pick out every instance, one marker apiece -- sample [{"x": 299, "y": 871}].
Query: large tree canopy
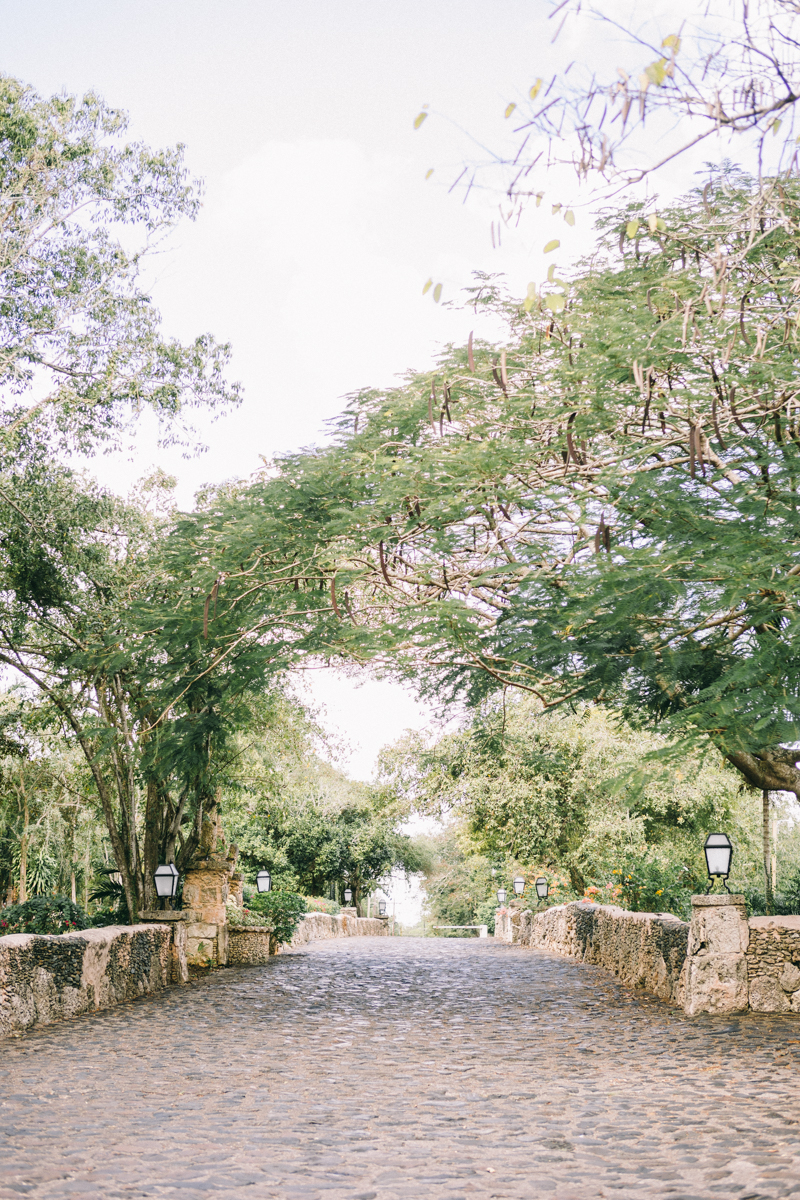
[{"x": 605, "y": 506}]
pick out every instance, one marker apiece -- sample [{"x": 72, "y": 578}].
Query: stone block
[
  {"x": 201, "y": 929},
  {"x": 789, "y": 978},
  {"x": 716, "y": 984},
  {"x": 767, "y": 995}
]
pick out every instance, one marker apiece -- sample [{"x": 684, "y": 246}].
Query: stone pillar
[
  {"x": 179, "y": 970},
  {"x": 716, "y": 966},
  {"x": 236, "y": 890},
  {"x": 205, "y": 893}
]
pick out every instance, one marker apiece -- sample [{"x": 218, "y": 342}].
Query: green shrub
[
  {"x": 43, "y": 914},
  {"x": 282, "y": 912},
  {"x": 320, "y": 904},
  {"x": 646, "y": 884}
]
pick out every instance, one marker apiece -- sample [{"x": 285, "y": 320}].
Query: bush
[
  {"x": 241, "y": 918},
  {"x": 320, "y": 904},
  {"x": 649, "y": 885},
  {"x": 281, "y": 911},
  {"x": 43, "y": 914},
  {"x": 484, "y": 914}
]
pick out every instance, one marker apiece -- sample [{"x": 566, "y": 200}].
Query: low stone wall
[
  {"x": 773, "y": 958},
  {"x": 248, "y": 945},
  {"x": 346, "y": 924},
  {"x": 645, "y": 950},
  {"x": 44, "y": 978},
  {"x": 251, "y": 945},
  {"x": 719, "y": 963}
]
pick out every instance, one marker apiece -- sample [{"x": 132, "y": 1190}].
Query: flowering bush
[
  {"x": 241, "y": 917},
  {"x": 320, "y": 904},
  {"x": 43, "y": 914}
]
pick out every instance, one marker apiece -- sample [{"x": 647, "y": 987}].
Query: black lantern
[
  {"x": 381, "y": 908},
  {"x": 348, "y": 895},
  {"x": 519, "y": 885},
  {"x": 501, "y": 895},
  {"x": 263, "y": 881},
  {"x": 719, "y": 852},
  {"x": 165, "y": 878},
  {"x": 542, "y": 887}
]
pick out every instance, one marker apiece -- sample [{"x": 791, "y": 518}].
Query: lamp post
[
  {"x": 542, "y": 888},
  {"x": 381, "y": 908},
  {"x": 501, "y": 895},
  {"x": 519, "y": 885},
  {"x": 263, "y": 881},
  {"x": 165, "y": 877},
  {"x": 719, "y": 852},
  {"x": 348, "y": 895}
]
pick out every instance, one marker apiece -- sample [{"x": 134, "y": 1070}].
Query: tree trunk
[
  {"x": 23, "y": 856},
  {"x": 767, "y": 840}
]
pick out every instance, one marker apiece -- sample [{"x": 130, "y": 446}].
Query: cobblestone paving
[{"x": 374, "y": 1069}]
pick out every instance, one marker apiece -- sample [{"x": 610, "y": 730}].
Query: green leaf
[
  {"x": 555, "y": 302},
  {"x": 553, "y": 245},
  {"x": 427, "y": 287},
  {"x": 632, "y": 228},
  {"x": 509, "y": 110},
  {"x": 535, "y": 89},
  {"x": 429, "y": 172},
  {"x": 420, "y": 117},
  {"x": 437, "y": 293},
  {"x": 569, "y": 217}
]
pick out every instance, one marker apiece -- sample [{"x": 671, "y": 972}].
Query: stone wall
[
  {"x": 44, "y": 978},
  {"x": 645, "y": 950},
  {"x": 719, "y": 963},
  {"x": 773, "y": 958},
  {"x": 346, "y": 924},
  {"x": 251, "y": 945}
]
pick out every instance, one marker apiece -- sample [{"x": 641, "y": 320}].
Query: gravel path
[{"x": 381, "y": 1068}]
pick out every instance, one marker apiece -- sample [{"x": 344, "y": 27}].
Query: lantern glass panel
[
  {"x": 165, "y": 878},
  {"x": 501, "y": 895},
  {"x": 348, "y": 895},
  {"x": 519, "y": 885},
  {"x": 719, "y": 852},
  {"x": 382, "y": 908},
  {"x": 542, "y": 887},
  {"x": 263, "y": 881}
]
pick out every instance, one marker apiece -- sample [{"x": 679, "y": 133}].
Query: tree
[
  {"x": 604, "y": 507},
  {"x": 725, "y": 77},
  {"x": 564, "y": 792},
  {"x": 81, "y": 352},
  {"x": 81, "y": 355}
]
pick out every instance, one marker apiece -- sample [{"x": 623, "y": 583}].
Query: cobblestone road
[{"x": 377, "y": 1068}]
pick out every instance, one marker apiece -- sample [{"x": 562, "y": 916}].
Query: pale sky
[{"x": 318, "y": 229}]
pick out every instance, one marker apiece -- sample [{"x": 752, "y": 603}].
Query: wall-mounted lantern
[
  {"x": 542, "y": 887},
  {"x": 519, "y": 885},
  {"x": 348, "y": 895},
  {"x": 501, "y": 895},
  {"x": 263, "y": 881},
  {"x": 165, "y": 878}
]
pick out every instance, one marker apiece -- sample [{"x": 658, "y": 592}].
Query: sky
[{"x": 318, "y": 227}]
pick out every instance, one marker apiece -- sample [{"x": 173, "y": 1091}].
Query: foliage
[
  {"x": 322, "y": 905},
  {"x": 82, "y": 350},
  {"x": 723, "y": 77},
  {"x": 43, "y": 914},
  {"x": 536, "y": 791},
  {"x": 601, "y": 507},
  {"x": 282, "y": 911},
  {"x": 647, "y": 884}
]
